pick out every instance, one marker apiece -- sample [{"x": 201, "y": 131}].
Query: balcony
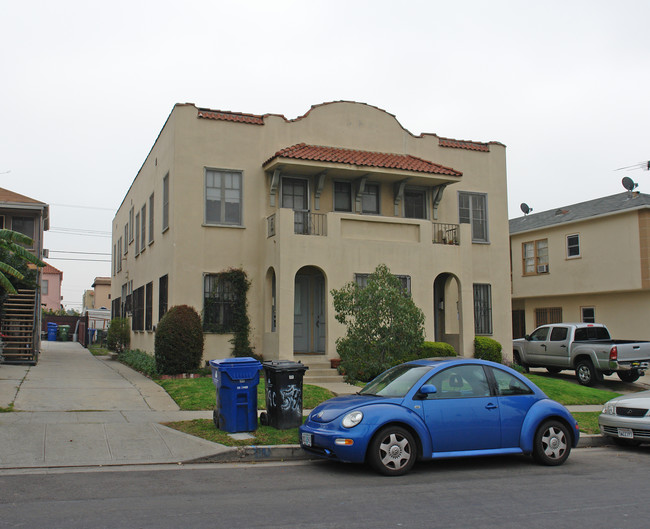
[
  {"x": 446, "y": 234},
  {"x": 304, "y": 223}
]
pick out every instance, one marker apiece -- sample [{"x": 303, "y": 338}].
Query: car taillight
[{"x": 613, "y": 354}]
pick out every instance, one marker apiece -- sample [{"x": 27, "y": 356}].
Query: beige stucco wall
[{"x": 354, "y": 243}]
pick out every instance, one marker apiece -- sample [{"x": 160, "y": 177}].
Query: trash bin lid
[
  {"x": 237, "y": 368},
  {"x": 284, "y": 365}
]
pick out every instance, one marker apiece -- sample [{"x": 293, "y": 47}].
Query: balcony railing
[
  {"x": 446, "y": 234},
  {"x": 270, "y": 226},
  {"x": 307, "y": 223}
]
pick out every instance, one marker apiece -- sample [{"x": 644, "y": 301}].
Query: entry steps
[
  {"x": 17, "y": 327},
  {"x": 320, "y": 370}
]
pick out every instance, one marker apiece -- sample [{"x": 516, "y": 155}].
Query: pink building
[{"x": 51, "y": 288}]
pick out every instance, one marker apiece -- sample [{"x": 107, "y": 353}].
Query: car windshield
[{"x": 396, "y": 382}]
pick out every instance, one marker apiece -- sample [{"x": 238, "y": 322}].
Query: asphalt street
[{"x": 597, "y": 488}]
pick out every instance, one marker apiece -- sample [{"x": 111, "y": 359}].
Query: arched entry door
[
  {"x": 309, "y": 318},
  {"x": 446, "y": 304}
]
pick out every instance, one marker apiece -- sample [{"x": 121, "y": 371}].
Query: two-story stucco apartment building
[
  {"x": 586, "y": 262},
  {"x": 303, "y": 206}
]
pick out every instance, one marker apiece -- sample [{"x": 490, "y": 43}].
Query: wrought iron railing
[
  {"x": 307, "y": 223},
  {"x": 446, "y": 234}
]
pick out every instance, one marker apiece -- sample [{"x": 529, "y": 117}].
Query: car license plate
[
  {"x": 625, "y": 433},
  {"x": 306, "y": 439}
]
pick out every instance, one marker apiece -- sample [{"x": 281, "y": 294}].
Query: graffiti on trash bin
[{"x": 292, "y": 398}]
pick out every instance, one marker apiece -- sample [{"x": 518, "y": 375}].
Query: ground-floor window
[
  {"x": 148, "y": 302},
  {"x": 162, "y": 296},
  {"x": 219, "y": 301},
  {"x": 482, "y": 308},
  {"x": 588, "y": 314},
  {"x": 137, "y": 322},
  {"x": 546, "y": 315}
]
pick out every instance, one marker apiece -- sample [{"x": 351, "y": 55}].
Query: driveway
[{"x": 74, "y": 409}]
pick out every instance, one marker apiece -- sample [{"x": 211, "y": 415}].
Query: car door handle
[
  {"x": 544, "y": 346},
  {"x": 491, "y": 406}
]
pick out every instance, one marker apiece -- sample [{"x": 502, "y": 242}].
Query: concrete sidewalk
[{"x": 74, "y": 409}]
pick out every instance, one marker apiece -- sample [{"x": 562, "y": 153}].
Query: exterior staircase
[
  {"x": 320, "y": 370},
  {"x": 18, "y": 322}
]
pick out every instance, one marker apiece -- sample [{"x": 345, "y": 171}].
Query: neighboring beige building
[
  {"x": 304, "y": 206},
  {"x": 99, "y": 297},
  {"x": 586, "y": 262}
]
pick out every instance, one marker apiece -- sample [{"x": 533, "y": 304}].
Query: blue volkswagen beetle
[{"x": 440, "y": 408}]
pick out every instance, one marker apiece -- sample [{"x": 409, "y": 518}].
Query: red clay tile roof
[
  {"x": 11, "y": 196},
  {"x": 231, "y": 116},
  {"x": 464, "y": 144},
  {"x": 404, "y": 162},
  {"x": 49, "y": 269}
]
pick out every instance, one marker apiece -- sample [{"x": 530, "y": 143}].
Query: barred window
[
  {"x": 546, "y": 315},
  {"x": 482, "y": 308},
  {"x": 162, "y": 296},
  {"x": 148, "y": 312},
  {"x": 219, "y": 300}
]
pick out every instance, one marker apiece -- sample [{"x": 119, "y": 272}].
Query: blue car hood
[{"x": 333, "y": 408}]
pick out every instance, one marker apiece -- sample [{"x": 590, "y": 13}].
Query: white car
[{"x": 627, "y": 419}]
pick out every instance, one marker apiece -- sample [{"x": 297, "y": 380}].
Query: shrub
[
  {"x": 487, "y": 349},
  {"x": 384, "y": 326},
  {"x": 434, "y": 350},
  {"x": 179, "y": 341},
  {"x": 140, "y": 361},
  {"x": 118, "y": 337}
]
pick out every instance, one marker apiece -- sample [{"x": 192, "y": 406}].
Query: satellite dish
[
  {"x": 629, "y": 184},
  {"x": 524, "y": 207}
]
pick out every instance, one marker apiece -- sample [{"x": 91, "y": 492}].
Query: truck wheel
[
  {"x": 516, "y": 359},
  {"x": 552, "y": 443},
  {"x": 629, "y": 376},
  {"x": 586, "y": 373}
]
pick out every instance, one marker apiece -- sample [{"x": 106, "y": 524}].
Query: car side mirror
[
  {"x": 527, "y": 337},
  {"x": 428, "y": 389}
]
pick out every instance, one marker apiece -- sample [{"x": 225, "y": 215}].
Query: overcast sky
[{"x": 86, "y": 86}]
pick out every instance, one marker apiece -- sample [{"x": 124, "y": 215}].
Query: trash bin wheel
[
  {"x": 218, "y": 420},
  {"x": 264, "y": 419}
]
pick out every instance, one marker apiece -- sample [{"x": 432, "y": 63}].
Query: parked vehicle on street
[
  {"x": 627, "y": 419},
  {"x": 440, "y": 408},
  {"x": 586, "y": 348}
]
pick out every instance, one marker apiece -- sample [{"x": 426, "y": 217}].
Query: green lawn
[
  {"x": 264, "y": 435},
  {"x": 587, "y": 421},
  {"x": 571, "y": 393},
  {"x": 200, "y": 393},
  {"x": 98, "y": 350}
]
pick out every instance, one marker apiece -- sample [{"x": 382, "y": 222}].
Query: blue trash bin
[
  {"x": 52, "y": 330},
  {"x": 236, "y": 380}
]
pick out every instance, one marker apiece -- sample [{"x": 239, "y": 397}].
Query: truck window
[
  {"x": 559, "y": 334},
  {"x": 539, "y": 335},
  {"x": 591, "y": 333}
]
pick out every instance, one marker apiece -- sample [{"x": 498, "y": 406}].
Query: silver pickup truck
[{"x": 585, "y": 347}]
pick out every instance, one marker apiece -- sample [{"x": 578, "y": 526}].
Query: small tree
[
  {"x": 118, "y": 337},
  {"x": 179, "y": 341},
  {"x": 384, "y": 326},
  {"x": 14, "y": 259}
]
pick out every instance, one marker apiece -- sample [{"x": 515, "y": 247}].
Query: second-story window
[
  {"x": 472, "y": 209},
  {"x": 223, "y": 197},
  {"x": 24, "y": 225},
  {"x": 370, "y": 199},
  {"x": 535, "y": 257},
  {"x": 573, "y": 246},
  {"x": 165, "y": 203},
  {"x": 415, "y": 204},
  {"x": 342, "y": 196}
]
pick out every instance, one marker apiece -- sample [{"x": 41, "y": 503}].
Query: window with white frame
[
  {"x": 573, "y": 246},
  {"x": 131, "y": 219},
  {"x": 44, "y": 286},
  {"x": 143, "y": 228},
  {"x": 535, "y": 257},
  {"x": 126, "y": 238},
  {"x": 151, "y": 218},
  {"x": 588, "y": 314},
  {"x": 472, "y": 209},
  {"x": 223, "y": 197}
]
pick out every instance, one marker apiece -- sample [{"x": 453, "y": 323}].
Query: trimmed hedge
[
  {"x": 433, "y": 350},
  {"x": 179, "y": 341},
  {"x": 487, "y": 349},
  {"x": 140, "y": 361}
]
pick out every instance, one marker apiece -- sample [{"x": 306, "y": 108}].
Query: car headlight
[
  {"x": 609, "y": 409},
  {"x": 352, "y": 419}
]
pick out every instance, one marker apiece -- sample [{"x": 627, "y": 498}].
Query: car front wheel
[
  {"x": 392, "y": 451},
  {"x": 552, "y": 443}
]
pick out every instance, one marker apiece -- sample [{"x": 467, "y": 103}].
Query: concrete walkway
[{"x": 74, "y": 409}]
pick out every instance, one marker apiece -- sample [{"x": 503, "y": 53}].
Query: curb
[{"x": 261, "y": 454}]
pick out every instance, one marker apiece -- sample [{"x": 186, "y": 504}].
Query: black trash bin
[{"x": 283, "y": 394}]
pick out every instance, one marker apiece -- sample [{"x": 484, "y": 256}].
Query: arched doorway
[
  {"x": 447, "y": 313},
  {"x": 309, "y": 315}
]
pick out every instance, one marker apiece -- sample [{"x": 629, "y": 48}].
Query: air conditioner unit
[{"x": 542, "y": 269}]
